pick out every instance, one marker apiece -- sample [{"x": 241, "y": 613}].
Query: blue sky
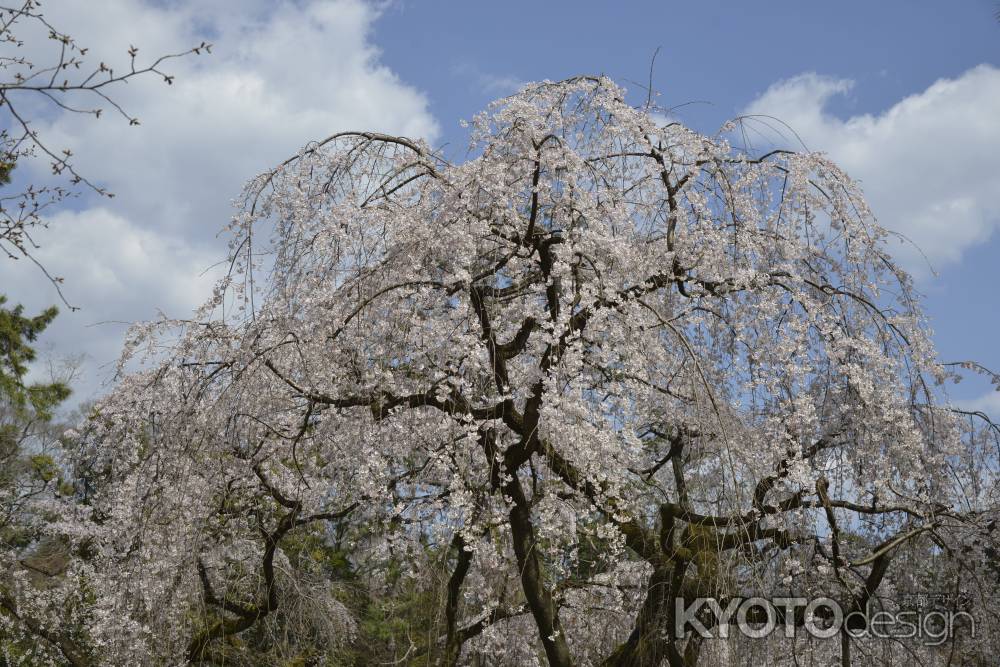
[
  {"x": 905, "y": 94},
  {"x": 723, "y": 52}
]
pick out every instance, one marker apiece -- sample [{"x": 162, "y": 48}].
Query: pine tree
[{"x": 17, "y": 334}]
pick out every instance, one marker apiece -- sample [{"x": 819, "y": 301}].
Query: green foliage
[
  {"x": 399, "y": 619},
  {"x": 398, "y": 626},
  {"x": 6, "y": 166},
  {"x": 28, "y": 470},
  {"x": 17, "y": 333},
  {"x": 44, "y": 467}
]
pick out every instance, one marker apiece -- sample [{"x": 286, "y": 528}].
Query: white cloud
[
  {"x": 120, "y": 272},
  {"x": 929, "y": 165},
  {"x": 988, "y": 403},
  {"x": 488, "y": 82},
  {"x": 280, "y": 75}
]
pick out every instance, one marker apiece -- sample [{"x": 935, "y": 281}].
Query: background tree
[
  {"x": 604, "y": 365},
  {"x": 31, "y": 475}
]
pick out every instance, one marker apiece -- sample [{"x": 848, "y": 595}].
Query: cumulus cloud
[
  {"x": 280, "y": 75},
  {"x": 929, "y": 165},
  {"x": 120, "y": 272}
]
